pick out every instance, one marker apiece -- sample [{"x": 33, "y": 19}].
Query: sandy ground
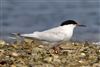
[{"x": 32, "y": 53}]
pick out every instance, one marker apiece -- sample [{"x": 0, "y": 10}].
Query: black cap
[{"x": 67, "y": 22}]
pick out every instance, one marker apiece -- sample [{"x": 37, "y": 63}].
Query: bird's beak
[{"x": 82, "y": 25}]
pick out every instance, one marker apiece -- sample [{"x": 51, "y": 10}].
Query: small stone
[
  {"x": 13, "y": 66},
  {"x": 55, "y": 56},
  {"x": 48, "y": 59},
  {"x": 2, "y": 42},
  {"x": 15, "y": 54},
  {"x": 41, "y": 46},
  {"x": 96, "y": 65},
  {"x": 81, "y": 61},
  {"x": 99, "y": 51},
  {"x": 83, "y": 54},
  {"x": 1, "y": 50}
]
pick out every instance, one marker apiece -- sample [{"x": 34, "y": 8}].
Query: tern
[{"x": 61, "y": 33}]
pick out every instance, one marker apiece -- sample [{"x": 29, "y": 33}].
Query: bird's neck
[
  {"x": 68, "y": 27},
  {"x": 68, "y": 31}
]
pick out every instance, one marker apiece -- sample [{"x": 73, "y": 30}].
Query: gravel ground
[{"x": 32, "y": 53}]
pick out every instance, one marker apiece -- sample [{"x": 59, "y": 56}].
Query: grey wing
[
  {"x": 31, "y": 35},
  {"x": 51, "y": 36}
]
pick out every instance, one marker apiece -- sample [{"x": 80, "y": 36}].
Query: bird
[{"x": 63, "y": 32}]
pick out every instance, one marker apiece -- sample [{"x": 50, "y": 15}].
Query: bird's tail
[
  {"x": 29, "y": 36},
  {"x": 24, "y": 36},
  {"x": 21, "y": 35},
  {"x": 16, "y": 34}
]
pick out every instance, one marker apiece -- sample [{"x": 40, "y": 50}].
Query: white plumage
[{"x": 57, "y": 34}]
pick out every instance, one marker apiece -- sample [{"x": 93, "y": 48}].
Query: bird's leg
[{"x": 57, "y": 48}]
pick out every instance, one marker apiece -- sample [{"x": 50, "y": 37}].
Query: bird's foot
[{"x": 56, "y": 49}]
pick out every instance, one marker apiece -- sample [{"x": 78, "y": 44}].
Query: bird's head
[{"x": 71, "y": 23}]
